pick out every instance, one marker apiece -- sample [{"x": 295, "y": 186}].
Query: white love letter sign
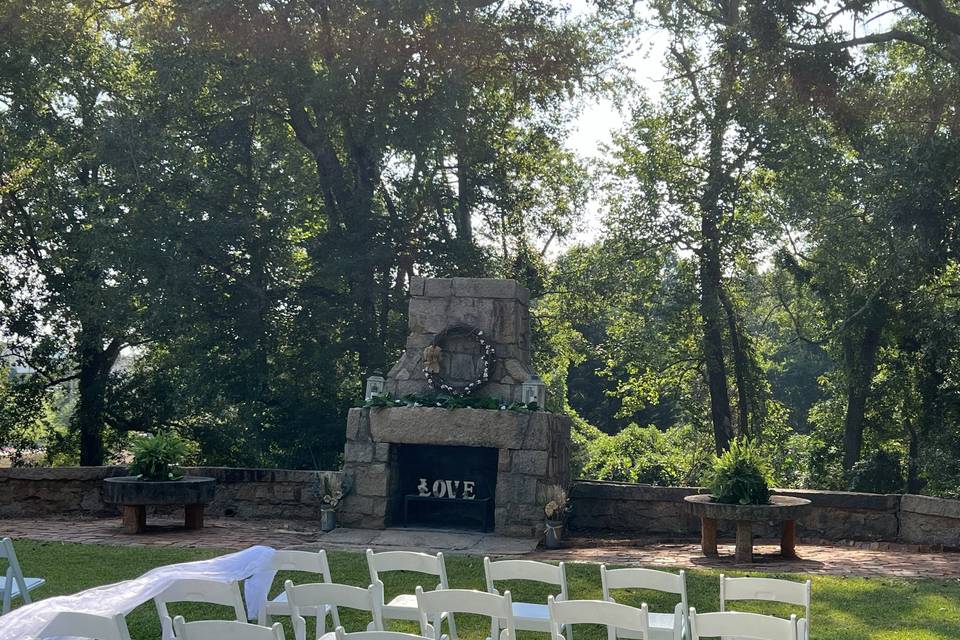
[{"x": 465, "y": 490}]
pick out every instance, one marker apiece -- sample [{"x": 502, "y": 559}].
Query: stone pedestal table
[
  {"x": 134, "y": 494},
  {"x": 785, "y": 509}
]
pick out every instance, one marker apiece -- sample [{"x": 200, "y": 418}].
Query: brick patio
[{"x": 878, "y": 560}]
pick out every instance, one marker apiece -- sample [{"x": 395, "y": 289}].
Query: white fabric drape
[{"x": 254, "y": 565}]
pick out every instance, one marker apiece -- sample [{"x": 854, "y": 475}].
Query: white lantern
[
  {"x": 534, "y": 390},
  {"x": 375, "y": 386}
]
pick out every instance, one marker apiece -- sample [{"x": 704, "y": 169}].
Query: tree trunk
[
  {"x": 741, "y": 365},
  {"x": 94, "y": 362},
  {"x": 710, "y": 312},
  {"x": 860, "y": 359}
]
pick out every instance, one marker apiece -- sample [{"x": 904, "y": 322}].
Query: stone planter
[
  {"x": 328, "y": 519},
  {"x": 783, "y": 509},
  {"x": 553, "y": 534},
  {"x": 135, "y": 494}
]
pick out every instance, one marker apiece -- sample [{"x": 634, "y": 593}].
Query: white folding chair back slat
[
  {"x": 405, "y": 561},
  {"x": 668, "y": 626},
  {"x": 496, "y": 607},
  {"x": 567, "y": 613},
  {"x": 376, "y": 635},
  {"x": 198, "y": 590},
  {"x": 404, "y": 606},
  {"x": 769, "y": 590},
  {"x": 86, "y": 625},
  {"x": 309, "y": 600},
  {"x": 300, "y": 561},
  {"x": 224, "y": 630},
  {"x": 743, "y": 626},
  {"x": 529, "y": 616},
  {"x": 14, "y": 583}
]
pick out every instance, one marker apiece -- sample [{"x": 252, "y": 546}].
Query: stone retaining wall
[
  {"x": 833, "y": 516},
  {"x": 606, "y": 506},
  {"x": 246, "y": 493}
]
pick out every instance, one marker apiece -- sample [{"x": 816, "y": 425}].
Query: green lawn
[{"x": 843, "y": 609}]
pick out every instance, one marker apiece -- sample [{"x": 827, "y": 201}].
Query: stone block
[
  {"x": 381, "y": 452},
  {"x": 925, "y": 505},
  {"x": 371, "y": 480},
  {"x": 416, "y": 286},
  {"x": 437, "y": 287},
  {"x": 464, "y": 427},
  {"x": 504, "y": 460},
  {"x": 354, "y": 451},
  {"x": 489, "y": 288},
  {"x": 355, "y": 417},
  {"x": 515, "y": 489},
  {"x": 530, "y": 462}
]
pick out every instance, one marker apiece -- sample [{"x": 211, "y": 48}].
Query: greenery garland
[
  {"x": 448, "y": 401},
  {"x": 489, "y": 358}
]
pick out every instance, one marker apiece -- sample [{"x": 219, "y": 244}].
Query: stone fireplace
[{"x": 462, "y": 468}]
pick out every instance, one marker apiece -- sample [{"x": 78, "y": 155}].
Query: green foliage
[
  {"x": 156, "y": 457},
  {"x": 447, "y": 401},
  {"x": 881, "y": 472},
  {"x": 740, "y": 475}
]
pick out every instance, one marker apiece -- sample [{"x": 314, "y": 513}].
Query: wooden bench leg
[
  {"x": 193, "y": 516},
  {"x": 744, "y": 541},
  {"x": 134, "y": 518},
  {"x": 788, "y": 539},
  {"x": 708, "y": 536}
]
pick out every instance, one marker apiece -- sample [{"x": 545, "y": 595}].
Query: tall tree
[{"x": 72, "y": 279}]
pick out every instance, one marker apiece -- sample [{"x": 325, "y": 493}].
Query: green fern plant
[
  {"x": 740, "y": 476},
  {"x": 159, "y": 456}
]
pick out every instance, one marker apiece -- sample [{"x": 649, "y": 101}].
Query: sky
[{"x": 598, "y": 118}]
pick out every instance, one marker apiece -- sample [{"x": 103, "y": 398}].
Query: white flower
[
  {"x": 439, "y": 404},
  {"x": 479, "y": 333},
  {"x": 417, "y": 404},
  {"x": 503, "y": 407}
]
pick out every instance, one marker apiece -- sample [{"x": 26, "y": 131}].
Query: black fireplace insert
[{"x": 444, "y": 487}]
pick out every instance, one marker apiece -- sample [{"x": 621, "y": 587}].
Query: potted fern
[
  {"x": 740, "y": 476},
  {"x": 156, "y": 479}
]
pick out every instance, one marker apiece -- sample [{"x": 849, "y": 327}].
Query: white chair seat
[
  {"x": 32, "y": 583},
  {"x": 661, "y": 627},
  {"x": 531, "y": 617},
  {"x": 403, "y": 607},
  {"x": 280, "y": 607}
]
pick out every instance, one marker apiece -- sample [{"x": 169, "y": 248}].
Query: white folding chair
[
  {"x": 620, "y": 616},
  {"x": 198, "y": 590},
  {"x": 224, "y": 630},
  {"x": 748, "y": 626},
  {"x": 529, "y": 616},
  {"x": 663, "y": 626},
  {"x": 498, "y": 608},
  {"x": 376, "y": 635},
  {"x": 304, "y": 562},
  {"x": 770, "y": 590},
  {"x": 86, "y": 625},
  {"x": 319, "y": 599},
  {"x": 404, "y": 606},
  {"x": 14, "y": 584}
]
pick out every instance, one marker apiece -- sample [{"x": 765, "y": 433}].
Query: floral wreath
[{"x": 488, "y": 353}]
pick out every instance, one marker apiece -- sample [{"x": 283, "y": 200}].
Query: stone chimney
[{"x": 497, "y": 308}]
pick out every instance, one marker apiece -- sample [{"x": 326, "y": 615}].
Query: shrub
[
  {"x": 740, "y": 475},
  {"x": 880, "y": 472},
  {"x": 157, "y": 457}
]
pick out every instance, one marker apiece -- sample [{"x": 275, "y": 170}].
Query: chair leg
[{"x": 452, "y": 626}]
